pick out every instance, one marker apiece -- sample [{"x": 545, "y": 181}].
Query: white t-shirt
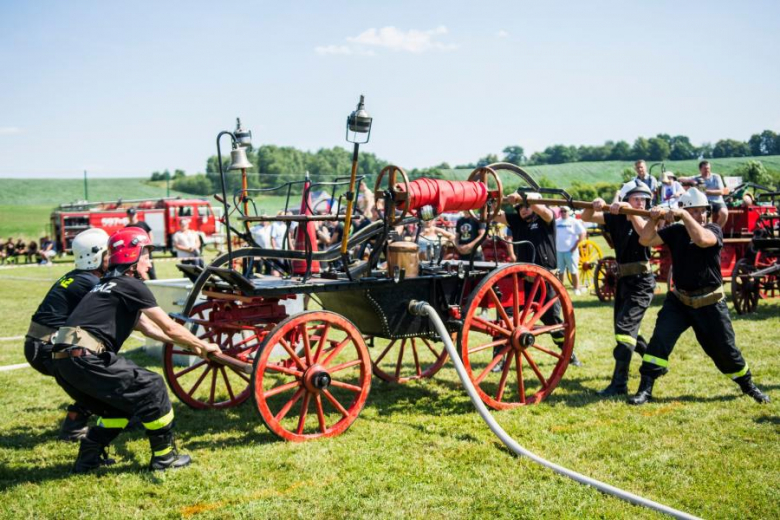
[
  {"x": 567, "y": 231},
  {"x": 278, "y": 230},
  {"x": 262, "y": 235},
  {"x": 189, "y": 240},
  {"x": 667, "y": 193}
]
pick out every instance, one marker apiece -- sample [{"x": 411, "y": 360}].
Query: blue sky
[{"x": 128, "y": 88}]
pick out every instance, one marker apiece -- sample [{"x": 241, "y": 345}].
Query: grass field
[{"x": 418, "y": 450}]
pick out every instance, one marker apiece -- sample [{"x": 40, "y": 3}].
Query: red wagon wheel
[
  {"x": 770, "y": 284},
  {"x": 744, "y": 289},
  {"x": 507, "y": 349},
  {"x": 203, "y": 384},
  {"x": 404, "y": 360},
  {"x": 312, "y": 376},
  {"x": 605, "y": 278}
]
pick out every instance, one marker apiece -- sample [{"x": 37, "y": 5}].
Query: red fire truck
[{"x": 164, "y": 216}]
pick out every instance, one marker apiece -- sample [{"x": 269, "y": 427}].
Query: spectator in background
[
  {"x": 133, "y": 221},
  {"x": 569, "y": 233},
  {"x": 712, "y": 185},
  {"x": 469, "y": 231},
  {"x": 671, "y": 190},
  {"x": 186, "y": 243},
  {"x": 31, "y": 253},
  {"x": 46, "y": 251},
  {"x": 640, "y": 167},
  {"x": 10, "y": 249},
  {"x": 2, "y": 252}
]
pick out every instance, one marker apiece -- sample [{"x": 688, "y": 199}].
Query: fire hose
[{"x": 420, "y": 308}]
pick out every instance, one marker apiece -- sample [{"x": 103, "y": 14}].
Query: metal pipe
[
  {"x": 350, "y": 200},
  {"x": 419, "y": 308}
]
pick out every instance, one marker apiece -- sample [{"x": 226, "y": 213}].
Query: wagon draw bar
[{"x": 579, "y": 204}]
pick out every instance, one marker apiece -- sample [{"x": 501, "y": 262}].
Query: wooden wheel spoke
[
  {"x": 520, "y": 380},
  {"x": 323, "y": 338},
  {"x": 500, "y": 309},
  {"x": 335, "y": 402},
  {"x": 227, "y": 382},
  {"x": 213, "y": 386},
  {"x": 400, "y": 360},
  {"x": 515, "y": 300},
  {"x": 284, "y": 370},
  {"x": 335, "y": 352},
  {"x": 281, "y": 388},
  {"x": 344, "y": 366},
  {"x": 304, "y": 412},
  {"x": 240, "y": 374},
  {"x": 306, "y": 343},
  {"x": 547, "y": 351},
  {"x": 286, "y": 346},
  {"x": 489, "y": 327},
  {"x": 289, "y": 404},
  {"x": 543, "y": 310},
  {"x": 418, "y": 369},
  {"x": 535, "y": 368},
  {"x": 486, "y": 346},
  {"x": 345, "y": 386},
  {"x": 320, "y": 413},
  {"x": 430, "y": 347},
  {"x": 504, "y": 374},
  {"x": 530, "y": 299},
  {"x": 492, "y": 364},
  {"x": 548, "y": 329},
  {"x": 190, "y": 368},
  {"x": 199, "y": 381},
  {"x": 384, "y": 352}
]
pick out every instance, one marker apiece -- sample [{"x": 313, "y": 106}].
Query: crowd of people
[{"x": 17, "y": 251}]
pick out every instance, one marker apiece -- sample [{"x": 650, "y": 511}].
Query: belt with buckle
[
  {"x": 634, "y": 268},
  {"x": 71, "y": 353}
]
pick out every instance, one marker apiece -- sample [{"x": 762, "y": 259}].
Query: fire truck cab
[{"x": 164, "y": 217}]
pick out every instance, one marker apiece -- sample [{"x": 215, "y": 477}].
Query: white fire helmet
[
  {"x": 635, "y": 188},
  {"x": 88, "y": 248},
  {"x": 694, "y": 198}
]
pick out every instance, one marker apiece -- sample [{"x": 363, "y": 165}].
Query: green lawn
[{"x": 419, "y": 450}]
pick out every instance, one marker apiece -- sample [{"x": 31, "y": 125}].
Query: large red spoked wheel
[
  {"x": 605, "y": 278},
  {"x": 506, "y": 348},
  {"x": 744, "y": 288},
  {"x": 404, "y": 360},
  {"x": 312, "y": 376},
  {"x": 203, "y": 384},
  {"x": 770, "y": 284}
]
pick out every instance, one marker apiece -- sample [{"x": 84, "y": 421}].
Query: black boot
[
  {"x": 645, "y": 392},
  {"x": 574, "y": 360},
  {"x": 92, "y": 455},
  {"x": 164, "y": 452},
  {"x": 619, "y": 383},
  {"x": 749, "y": 388},
  {"x": 500, "y": 365},
  {"x": 74, "y": 427}
]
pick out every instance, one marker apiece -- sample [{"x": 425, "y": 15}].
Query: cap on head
[
  {"x": 131, "y": 212},
  {"x": 88, "y": 248},
  {"x": 693, "y": 198},
  {"x": 127, "y": 245}
]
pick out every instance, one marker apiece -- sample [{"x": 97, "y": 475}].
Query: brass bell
[{"x": 238, "y": 160}]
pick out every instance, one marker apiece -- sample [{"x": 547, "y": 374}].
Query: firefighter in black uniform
[
  {"x": 87, "y": 366},
  {"x": 535, "y": 223},
  {"x": 636, "y": 283},
  {"x": 89, "y": 248},
  {"x": 697, "y": 299}
]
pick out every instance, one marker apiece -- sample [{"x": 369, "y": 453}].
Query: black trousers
[
  {"x": 115, "y": 388},
  {"x": 712, "y": 326},
  {"x": 633, "y": 296},
  {"x": 38, "y": 354}
]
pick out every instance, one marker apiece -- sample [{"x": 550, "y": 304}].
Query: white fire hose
[{"x": 419, "y": 308}]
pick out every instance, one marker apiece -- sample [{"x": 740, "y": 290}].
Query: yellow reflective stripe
[
  {"x": 559, "y": 340},
  {"x": 740, "y": 373},
  {"x": 164, "y": 451},
  {"x": 625, "y": 338},
  {"x": 655, "y": 361},
  {"x": 162, "y": 422},
  {"x": 112, "y": 423}
]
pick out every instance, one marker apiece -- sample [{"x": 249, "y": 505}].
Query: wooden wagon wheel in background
[
  {"x": 311, "y": 376},
  {"x": 605, "y": 278},
  {"x": 744, "y": 289},
  {"x": 510, "y": 355},
  {"x": 589, "y": 255}
]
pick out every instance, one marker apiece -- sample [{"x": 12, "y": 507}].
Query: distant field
[{"x": 25, "y": 204}]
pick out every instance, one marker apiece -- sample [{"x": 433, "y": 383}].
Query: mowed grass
[{"x": 418, "y": 450}]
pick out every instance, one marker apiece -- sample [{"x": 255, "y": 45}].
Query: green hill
[{"x": 53, "y": 192}]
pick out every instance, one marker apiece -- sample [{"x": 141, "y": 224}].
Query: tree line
[{"x": 275, "y": 165}]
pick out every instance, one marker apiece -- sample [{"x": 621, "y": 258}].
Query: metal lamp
[{"x": 359, "y": 122}]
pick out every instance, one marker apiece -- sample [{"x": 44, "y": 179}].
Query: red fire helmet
[{"x": 126, "y": 246}]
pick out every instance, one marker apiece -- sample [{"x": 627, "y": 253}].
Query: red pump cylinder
[{"x": 445, "y": 196}]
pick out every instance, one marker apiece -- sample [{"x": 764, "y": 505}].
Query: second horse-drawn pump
[{"x": 308, "y": 372}]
